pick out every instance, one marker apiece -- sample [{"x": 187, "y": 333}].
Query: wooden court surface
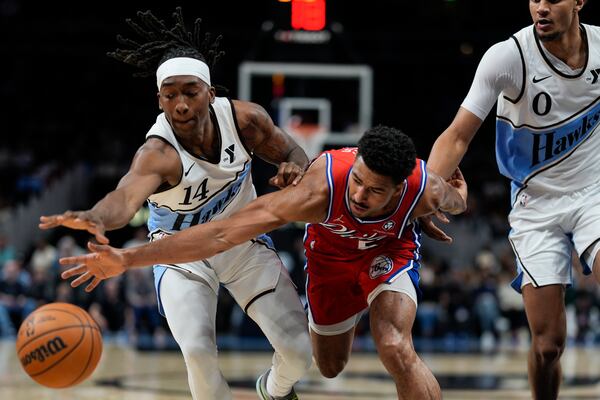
[{"x": 126, "y": 374}]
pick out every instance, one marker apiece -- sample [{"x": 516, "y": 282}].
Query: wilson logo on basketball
[
  {"x": 52, "y": 347},
  {"x": 29, "y": 328}
]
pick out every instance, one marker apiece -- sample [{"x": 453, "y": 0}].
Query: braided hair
[{"x": 160, "y": 43}]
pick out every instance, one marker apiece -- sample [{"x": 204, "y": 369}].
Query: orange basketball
[{"x": 59, "y": 345}]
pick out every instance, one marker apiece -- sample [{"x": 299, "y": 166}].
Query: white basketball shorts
[{"x": 546, "y": 227}]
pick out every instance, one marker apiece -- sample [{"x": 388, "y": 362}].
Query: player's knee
[
  {"x": 330, "y": 362},
  {"x": 200, "y": 355},
  {"x": 397, "y": 350},
  {"x": 292, "y": 343},
  {"x": 302, "y": 361},
  {"x": 331, "y": 367},
  {"x": 548, "y": 349},
  {"x": 299, "y": 354}
]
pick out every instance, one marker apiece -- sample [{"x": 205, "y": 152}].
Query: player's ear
[
  {"x": 399, "y": 188},
  {"x": 158, "y": 98},
  {"x": 212, "y": 93}
]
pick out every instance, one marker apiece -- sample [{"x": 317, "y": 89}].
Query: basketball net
[{"x": 310, "y": 137}]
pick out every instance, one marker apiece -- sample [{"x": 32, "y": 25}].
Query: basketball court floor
[{"x": 126, "y": 374}]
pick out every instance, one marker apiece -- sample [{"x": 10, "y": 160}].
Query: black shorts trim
[
  {"x": 523, "y": 265},
  {"x": 258, "y": 296}
]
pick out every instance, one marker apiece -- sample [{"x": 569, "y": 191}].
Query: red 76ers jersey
[{"x": 345, "y": 237}]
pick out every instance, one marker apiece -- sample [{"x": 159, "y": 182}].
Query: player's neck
[
  {"x": 203, "y": 140},
  {"x": 392, "y": 205},
  {"x": 570, "y": 47},
  {"x": 389, "y": 209}
]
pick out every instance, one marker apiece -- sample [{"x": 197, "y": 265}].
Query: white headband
[{"x": 182, "y": 66}]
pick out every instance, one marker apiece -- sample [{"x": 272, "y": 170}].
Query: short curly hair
[{"x": 388, "y": 151}]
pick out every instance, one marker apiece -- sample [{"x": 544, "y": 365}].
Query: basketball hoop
[{"x": 309, "y": 136}]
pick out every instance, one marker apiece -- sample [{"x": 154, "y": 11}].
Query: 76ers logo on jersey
[
  {"x": 388, "y": 225},
  {"x": 380, "y": 265}
]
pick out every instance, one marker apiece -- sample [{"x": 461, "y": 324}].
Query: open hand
[
  {"x": 81, "y": 220},
  {"x": 102, "y": 263}
]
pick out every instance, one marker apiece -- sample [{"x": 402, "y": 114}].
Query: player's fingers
[
  {"x": 438, "y": 234},
  {"x": 101, "y": 238},
  {"x": 298, "y": 178},
  {"x": 46, "y": 225},
  {"x": 459, "y": 178},
  {"x": 293, "y": 172},
  {"x": 96, "y": 248},
  {"x": 441, "y": 217},
  {"x": 78, "y": 270},
  {"x": 82, "y": 279},
  {"x": 275, "y": 181},
  {"x": 47, "y": 222},
  {"x": 432, "y": 230},
  {"x": 95, "y": 282},
  {"x": 442, "y": 236},
  {"x": 76, "y": 259}
]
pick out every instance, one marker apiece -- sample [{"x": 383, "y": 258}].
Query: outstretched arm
[
  {"x": 305, "y": 202},
  {"x": 154, "y": 163},
  {"x": 271, "y": 143},
  {"x": 446, "y": 154},
  {"x": 500, "y": 70}
]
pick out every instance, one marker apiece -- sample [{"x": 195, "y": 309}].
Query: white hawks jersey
[
  {"x": 207, "y": 191},
  {"x": 547, "y": 137}
]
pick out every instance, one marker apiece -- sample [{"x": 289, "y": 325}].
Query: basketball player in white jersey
[
  {"x": 195, "y": 167},
  {"x": 545, "y": 79}
]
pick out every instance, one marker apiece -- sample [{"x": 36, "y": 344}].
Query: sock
[{"x": 273, "y": 388}]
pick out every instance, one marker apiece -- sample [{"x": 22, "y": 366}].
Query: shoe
[{"x": 261, "y": 389}]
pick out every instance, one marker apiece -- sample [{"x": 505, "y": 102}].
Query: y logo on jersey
[
  {"x": 595, "y": 75},
  {"x": 231, "y": 153}
]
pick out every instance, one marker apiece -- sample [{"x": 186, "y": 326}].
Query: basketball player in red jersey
[{"x": 362, "y": 248}]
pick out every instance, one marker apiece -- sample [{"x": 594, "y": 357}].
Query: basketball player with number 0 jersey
[{"x": 545, "y": 79}]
